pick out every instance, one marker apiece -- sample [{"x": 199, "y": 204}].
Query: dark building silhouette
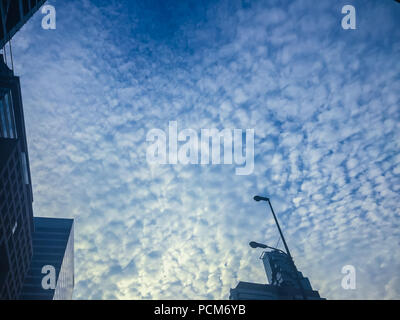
[
  {"x": 285, "y": 282},
  {"x": 14, "y": 14},
  {"x": 26, "y": 245},
  {"x": 258, "y": 291},
  {"x": 16, "y": 224},
  {"x": 280, "y": 272},
  {"x": 53, "y": 245}
]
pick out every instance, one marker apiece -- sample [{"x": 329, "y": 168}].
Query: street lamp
[
  {"x": 258, "y": 198},
  {"x": 255, "y": 245},
  {"x": 260, "y": 245}
]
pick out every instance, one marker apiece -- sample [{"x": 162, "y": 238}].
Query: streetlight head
[
  {"x": 258, "y": 198},
  {"x": 255, "y": 245}
]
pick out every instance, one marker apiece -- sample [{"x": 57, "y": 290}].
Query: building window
[
  {"x": 7, "y": 117},
  {"x": 15, "y": 227},
  {"x": 25, "y": 167}
]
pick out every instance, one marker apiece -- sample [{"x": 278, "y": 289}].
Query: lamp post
[{"x": 260, "y": 245}]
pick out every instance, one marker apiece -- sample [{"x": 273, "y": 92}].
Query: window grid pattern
[
  {"x": 53, "y": 244},
  {"x": 14, "y": 209}
]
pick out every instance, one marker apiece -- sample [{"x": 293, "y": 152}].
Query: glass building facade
[
  {"x": 26, "y": 242},
  {"x": 53, "y": 246},
  {"x": 7, "y": 117},
  {"x": 16, "y": 214},
  {"x": 21, "y": 247}
]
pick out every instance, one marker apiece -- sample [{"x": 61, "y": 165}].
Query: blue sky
[{"x": 324, "y": 104}]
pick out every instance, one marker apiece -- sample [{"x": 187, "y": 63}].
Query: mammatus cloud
[{"x": 323, "y": 103}]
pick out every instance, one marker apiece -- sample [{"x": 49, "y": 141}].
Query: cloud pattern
[{"x": 324, "y": 103}]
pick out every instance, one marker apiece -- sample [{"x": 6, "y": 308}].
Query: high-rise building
[
  {"x": 14, "y": 14},
  {"x": 285, "y": 282},
  {"x": 16, "y": 224},
  {"x": 48, "y": 241},
  {"x": 53, "y": 249},
  {"x": 25, "y": 244}
]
